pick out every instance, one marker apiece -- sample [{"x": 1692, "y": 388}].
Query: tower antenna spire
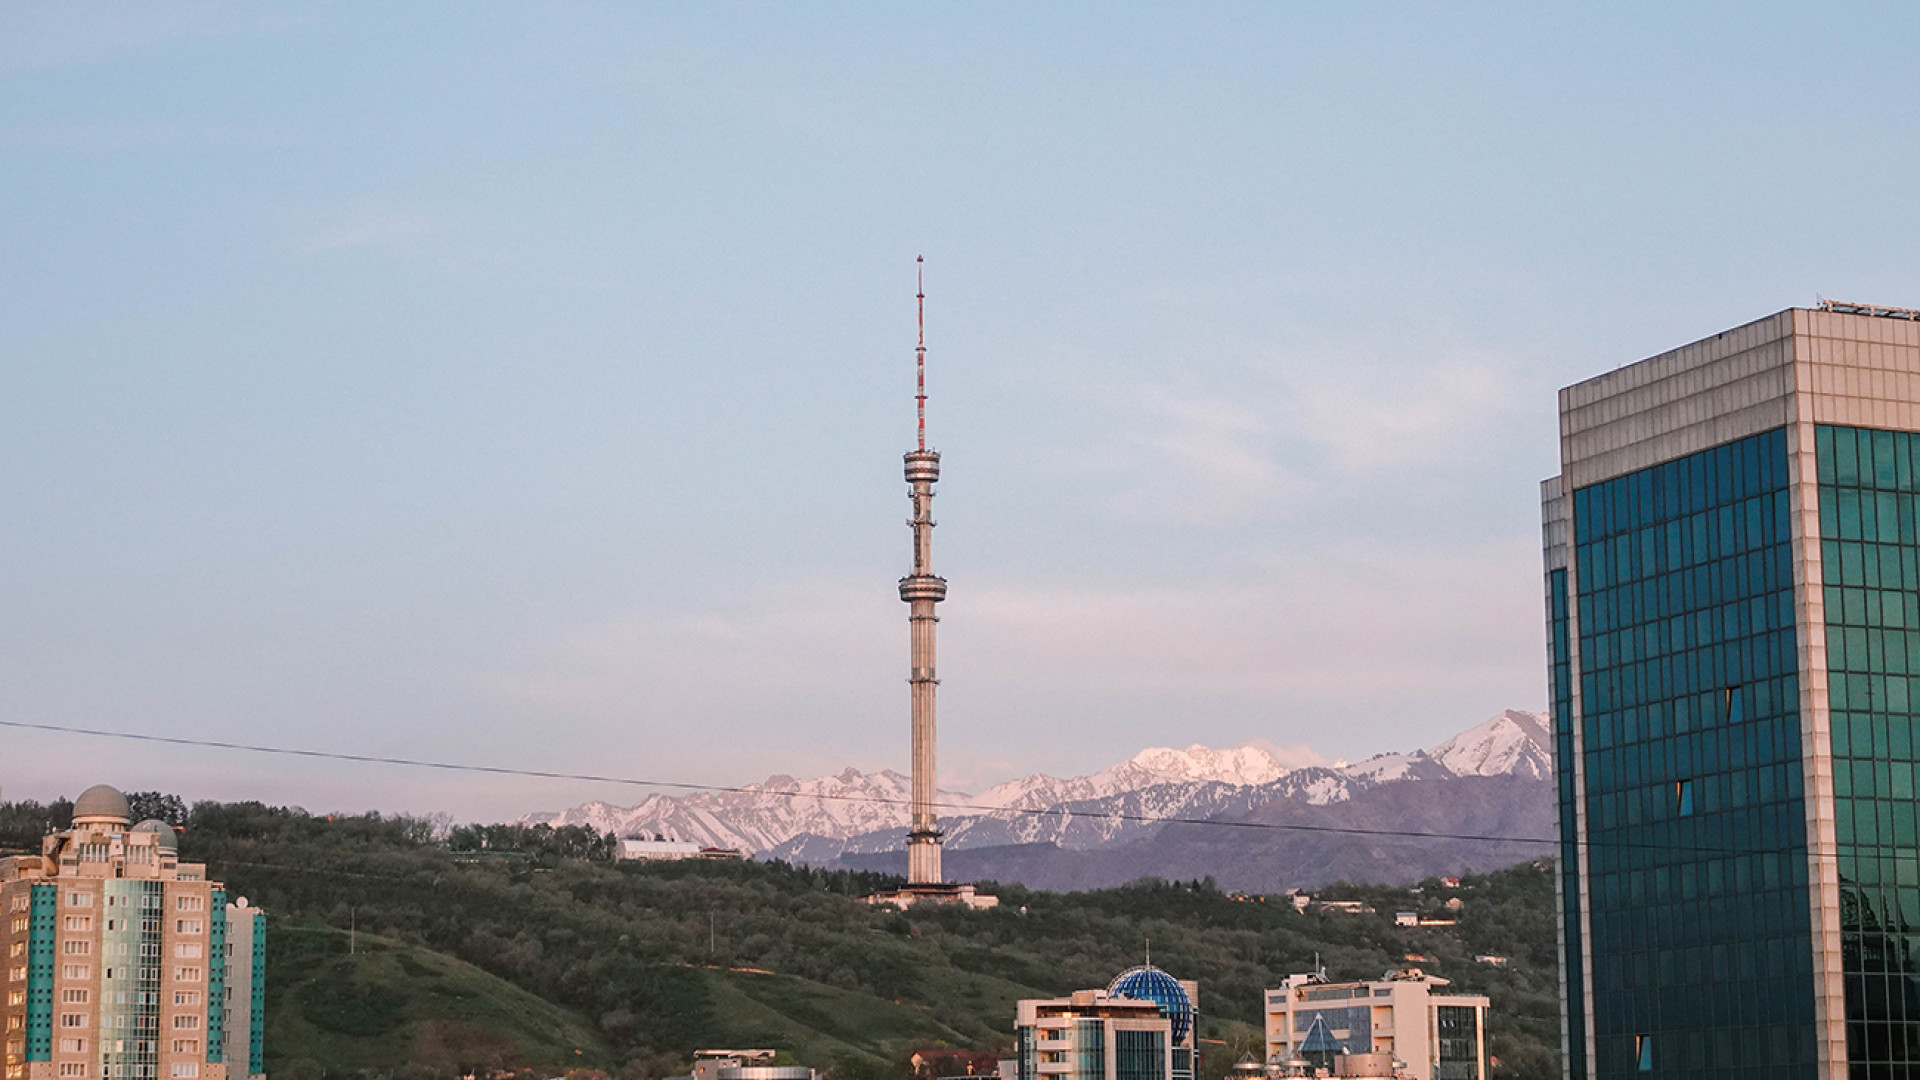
[{"x": 920, "y": 351}]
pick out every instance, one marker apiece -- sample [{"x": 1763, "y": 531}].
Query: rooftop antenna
[
  {"x": 920, "y": 352},
  {"x": 1149, "y": 952}
]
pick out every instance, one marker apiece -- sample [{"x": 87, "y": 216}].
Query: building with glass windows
[
  {"x": 1142, "y": 1027},
  {"x": 1433, "y": 1036},
  {"x": 121, "y": 961},
  {"x": 1733, "y": 606}
]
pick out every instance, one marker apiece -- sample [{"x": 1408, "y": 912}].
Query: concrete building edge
[
  {"x": 1816, "y": 745},
  {"x": 1580, "y": 793},
  {"x": 1556, "y": 555}
]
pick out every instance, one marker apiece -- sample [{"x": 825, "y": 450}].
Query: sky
[{"x": 525, "y": 385}]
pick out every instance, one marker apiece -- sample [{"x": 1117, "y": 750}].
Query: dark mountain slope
[{"x": 1294, "y": 843}]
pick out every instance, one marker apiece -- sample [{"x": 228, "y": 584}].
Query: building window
[
  {"x": 79, "y": 899},
  {"x": 188, "y": 950},
  {"x": 75, "y": 971},
  {"x": 73, "y": 1068},
  {"x": 79, "y": 922},
  {"x": 190, "y": 903},
  {"x": 186, "y": 997},
  {"x": 77, "y": 948},
  {"x": 186, "y": 1022},
  {"x": 1683, "y": 798},
  {"x": 73, "y": 996},
  {"x": 186, "y": 1046},
  {"x": 73, "y": 1046},
  {"x": 73, "y": 1020},
  {"x": 16, "y": 998},
  {"x": 20, "y": 924},
  {"x": 186, "y": 974},
  {"x": 1643, "y": 1052},
  {"x": 188, "y": 926}
]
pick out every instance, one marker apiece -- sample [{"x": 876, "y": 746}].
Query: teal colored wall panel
[
  {"x": 40, "y": 960},
  {"x": 257, "y": 1023},
  {"x": 217, "y": 977}
]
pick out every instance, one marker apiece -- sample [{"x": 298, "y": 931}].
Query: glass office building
[{"x": 1733, "y": 615}]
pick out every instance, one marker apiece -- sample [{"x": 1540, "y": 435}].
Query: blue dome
[{"x": 1149, "y": 983}]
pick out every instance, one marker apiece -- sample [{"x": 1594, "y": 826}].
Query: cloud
[
  {"x": 1368, "y": 624},
  {"x": 1287, "y": 426}
]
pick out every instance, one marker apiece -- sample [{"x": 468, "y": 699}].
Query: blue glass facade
[
  {"x": 1688, "y": 706},
  {"x": 1139, "y": 1055},
  {"x": 1870, "y": 558}
]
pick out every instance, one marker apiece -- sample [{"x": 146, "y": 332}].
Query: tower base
[{"x": 936, "y": 894}]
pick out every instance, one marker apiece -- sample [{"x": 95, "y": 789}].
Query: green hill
[
  {"x": 511, "y": 948},
  {"x": 331, "y": 1012}
]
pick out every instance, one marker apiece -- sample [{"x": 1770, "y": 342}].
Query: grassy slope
[
  {"x": 388, "y": 1003},
  {"x": 613, "y": 959}
]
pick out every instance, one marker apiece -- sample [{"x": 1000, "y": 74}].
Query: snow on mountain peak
[
  {"x": 1513, "y": 742},
  {"x": 851, "y": 803},
  {"x": 1248, "y": 764}
]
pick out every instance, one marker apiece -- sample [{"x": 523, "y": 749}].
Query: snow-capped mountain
[
  {"x": 762, "y": 816},
  {"x": 1512, "y": 744},
  {"x": 818, "y": 820},
  {"x": 1242, "y": 766}
]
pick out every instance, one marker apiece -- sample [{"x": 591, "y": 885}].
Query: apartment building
[{"x": 121, "y": 961}]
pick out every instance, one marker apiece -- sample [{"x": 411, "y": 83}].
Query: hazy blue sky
[{"x": 527, "y": 384}]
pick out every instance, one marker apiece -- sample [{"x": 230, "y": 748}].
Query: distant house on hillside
[
  {"x": 1406, "y": 918},
  {"x": 1345, "y": 907},
  {"x": 743, "y": 1065},
  {"x": 667, "y": 850}
]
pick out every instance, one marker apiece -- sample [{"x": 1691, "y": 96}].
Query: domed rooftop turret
[
  {"x": 1149, "y": 983},
  {"x": 100, "y": 805},
  {"x": 168, "y": 840}
]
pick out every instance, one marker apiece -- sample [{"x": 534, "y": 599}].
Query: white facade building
[{"x": 1435, "y": 1036}]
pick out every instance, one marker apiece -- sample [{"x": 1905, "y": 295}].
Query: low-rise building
[
  {"x": 1141, "y": 1027},
  {"x": 667, "y": 850},
  {"x": 743, "y": 1065},
  {"x": 1435, "y": 1036}
]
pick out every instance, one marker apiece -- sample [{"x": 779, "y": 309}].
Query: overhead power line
[
  {"x": 681, "y": 785},
  {"x": 882, "y": 800}
]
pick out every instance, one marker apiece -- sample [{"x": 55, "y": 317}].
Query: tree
[{"x": 157, "y": 806}]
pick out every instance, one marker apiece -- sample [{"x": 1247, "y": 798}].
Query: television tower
[{"x": 921, "y": 590}]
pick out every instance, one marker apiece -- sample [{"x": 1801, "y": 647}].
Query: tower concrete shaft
[{"x": 922, "y": 590}]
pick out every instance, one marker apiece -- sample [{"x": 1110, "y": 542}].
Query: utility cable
[{"x": 967, "y": 808}]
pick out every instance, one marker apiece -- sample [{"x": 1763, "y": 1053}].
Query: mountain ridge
[{"x": 819, "y": 820}]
